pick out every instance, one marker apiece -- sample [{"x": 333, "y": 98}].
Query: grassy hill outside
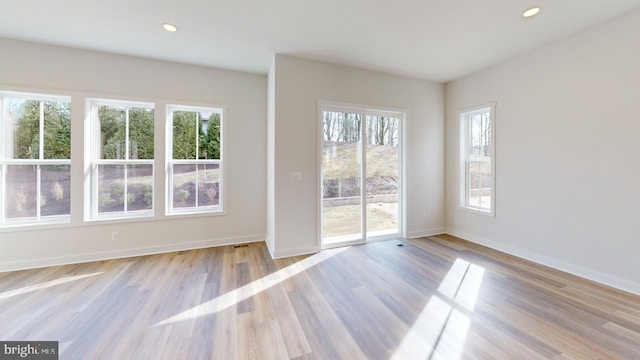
[{"x": 342, "y": 193}]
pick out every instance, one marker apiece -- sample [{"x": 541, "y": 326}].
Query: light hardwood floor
[{"x": 432, "y": 298}]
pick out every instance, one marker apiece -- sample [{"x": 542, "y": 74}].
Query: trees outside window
[
  {"x": 122, "y": 153},
  {"x": 194, "y": 153},
  {"x": 35, "y": 158},
  {"x": 119, "y": 148},
  {"x": 477, "y": 163}
]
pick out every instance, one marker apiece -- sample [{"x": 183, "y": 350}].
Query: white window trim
[
  {"x": 197, "y": 209},
  {"x": 92, "y": 161},
  {"x": 38, "y": 220},
  {"x": 463, "y": 153}
]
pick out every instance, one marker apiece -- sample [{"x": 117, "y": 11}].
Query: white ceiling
[{"x": 437, "y": 40}]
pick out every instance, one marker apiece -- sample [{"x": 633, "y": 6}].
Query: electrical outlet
[
  {"x": 115, "y": 235},
  {"x": 424, "y": 214},
  {"x": 296, "y": 176}
]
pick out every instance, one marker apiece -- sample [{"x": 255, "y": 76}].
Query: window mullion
[
  {"x": 197, "y": 158},
  {"x": 197, "y": 136},
  {"x": 169, "y": 190},
  {"x": 126, "y": 134},
  {"x": 38, "y": 190},
  {"x": 467, "y": 159},
  {"x": 481, "y": 185},
  {"x": 363, "y": 175},
  {"x": 2, "y": 192},
  {"x": 95, "y": 194},
  {"x": 467, "y": 186},
  {"x": 41, "y": 132},
  {"x": 120, "y": 162},
  {"x": 197, "y": 184},
  {"x": 2, "y": 133},
  {"x": 126, "y": 190},
  {"x": 3, "y": 167},
  {"x": 191, "y": 162}
]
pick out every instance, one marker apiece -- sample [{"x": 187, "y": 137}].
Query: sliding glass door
[
  {"x": 360, "y": 175},
  {"x": 381, "y": 184},
  {"x": 342, "y": 176}
]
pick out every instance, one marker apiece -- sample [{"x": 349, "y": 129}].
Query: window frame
[
  {"x": 93, "y": 159},
  {"x": 170, "y": 210},
  {"x": 464, "y": 173},
  {"x": 39, "y": 219}
]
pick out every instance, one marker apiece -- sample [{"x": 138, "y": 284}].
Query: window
[
  {"x": 194, "y": 153},
  {"x": 477, "y": 166},
  {"x": 121, "y": 137},
  {"x": 34, "y": 158}
]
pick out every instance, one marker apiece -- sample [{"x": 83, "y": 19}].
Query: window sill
[
  {"x": 24, "y": 225},
  {"x": 213, "y": 211},
  {"x": 146, "y": 215},
  {"x": 490, "y": 213}
]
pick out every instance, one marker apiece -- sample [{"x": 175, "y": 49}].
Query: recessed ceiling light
[
  {"x": 531, "y": 12},
  {"x": 169, "y": 27}
]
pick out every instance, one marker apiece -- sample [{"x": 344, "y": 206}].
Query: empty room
[{"x": 319, "y": 180}]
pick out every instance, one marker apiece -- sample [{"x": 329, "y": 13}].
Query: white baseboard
[
  {"x": 117, "y": 254},
  {"x": 270, "y": 247},
  {"x": 423, "y": 233},
  {"x": 279, "y": 254},
  {"x": 580, "y": 271}
]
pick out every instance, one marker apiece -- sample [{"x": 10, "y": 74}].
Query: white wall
[
  {"x": 567, "y": 147},
  {"x": 299, "y": 84},
  {"x": 271, "y": 118},
  {"x": 33, "y": 67}
]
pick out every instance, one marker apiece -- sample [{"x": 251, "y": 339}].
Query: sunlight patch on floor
[
  {"x": 244, "y": 292},
  {"x": 462, "y": 283},
  {"x": 440, "y": 331},
  {"x": 44, "y": 285}
]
